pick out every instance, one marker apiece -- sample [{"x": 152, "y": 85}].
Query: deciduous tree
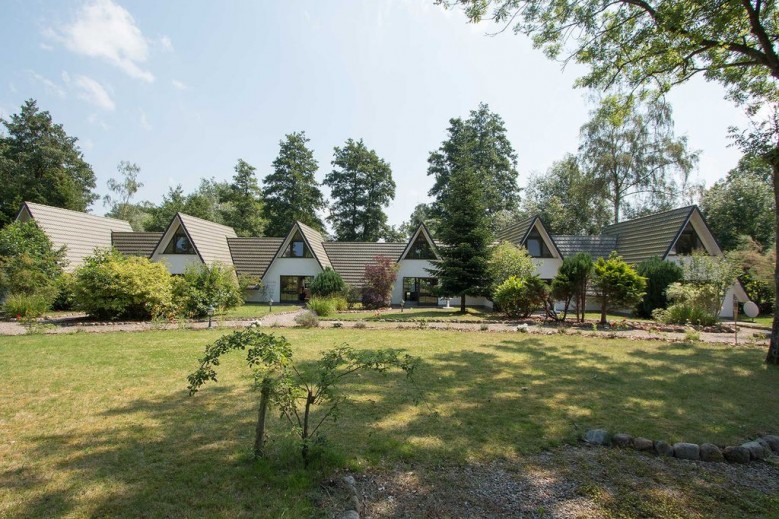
[
  {"x": 243, "y": 197},
  {"x": 122, "y": 191}
]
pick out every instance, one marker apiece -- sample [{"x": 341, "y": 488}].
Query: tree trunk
[
  {"x": 304, "y": 435},
  {"x": 259, "y": 432},
  {"x": 773, "y": 348},
  {"x": 462, "y": 304},
  {"x": 603, "y": 310}
]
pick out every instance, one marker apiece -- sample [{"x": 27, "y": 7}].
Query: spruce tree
[
  {"x": 244, "y": 212},
  {"x": 291, "y": 192}
]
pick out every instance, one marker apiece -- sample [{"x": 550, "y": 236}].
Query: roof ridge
[
  {"x": 82, "y": 213},
  {"x": 690, "y": 207},
  {"x": 204, "y": 220}
]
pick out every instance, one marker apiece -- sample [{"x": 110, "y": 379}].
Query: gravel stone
[
  {"x": 663, "y": 448},
  {"x": 597, "y": 437},
  {"x": 711, "y": 453},
  {"x": 736, "y": 454},
  {"x": 349, "y": 514},
  {"x": 622, "y": 440},
  {"x": 772, "y": 441},
  {"x": 643, "y": 444},
  {"x": 687, "y": 451}
]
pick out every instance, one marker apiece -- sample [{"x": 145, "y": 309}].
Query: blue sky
[{"x": 185, "y": 88}]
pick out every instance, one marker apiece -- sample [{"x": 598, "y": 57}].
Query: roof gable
[
  {"x": 80, "y": 233},
  {"x": 313, "y": 240},
  {"x": 252, "y": 256},
  {"x": 423, "y": 230},
  {"x": 209, "y": 239},
  {"x": 518, "y": 233},
  {"x": 653, "y": 235}
]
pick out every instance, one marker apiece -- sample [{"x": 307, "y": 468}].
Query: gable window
[
  {"x": 688, "y": 241},
  {"x": 536, "y": 246},
  {"x": 421, "y": 249},
  {"x": 179, "y": 243},
  {"x": 297, "y": 248}
]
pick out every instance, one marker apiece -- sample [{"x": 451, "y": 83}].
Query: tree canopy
[
  {"x": 291, "y": 193},
  {"x": 41, "y": 163},
  {"x": 361, "y": 186},
  {"x": 244, "y": 212}
]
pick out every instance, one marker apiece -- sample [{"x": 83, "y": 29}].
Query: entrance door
[{"x": 294, "y": 289}]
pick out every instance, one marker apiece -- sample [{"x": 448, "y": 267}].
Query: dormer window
[
  {"x": 536, "y": 246},
  {"x": 688, "y": 242},
  {"x": 297, "y": 248},
  {"x": 421, "y": 249},
  {"x": 179, "y": 243}
]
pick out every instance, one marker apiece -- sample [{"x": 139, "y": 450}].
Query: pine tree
[
  {"x": 244, "y": 213},
  {"x": 361, "y": 186},
  {"x": 291, "y": 192}
]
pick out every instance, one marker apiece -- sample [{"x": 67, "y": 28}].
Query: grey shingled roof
[
  {"x": 350, "y": 258},
  {"x": 596, "y": 246},
  {"x": 252, "y": 256},
  {"x": 516, "y": 232},
  {"x": 648, "y": 236},
  {"x": 316, "y": 243},
  {"x": 81, "y": 233},
  {"x": 136, "y": 243},
  {"x": 209, "y": 239}
]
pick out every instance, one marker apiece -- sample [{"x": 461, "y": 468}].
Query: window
[
  {"x": 297, "y": 248},
  {"x": 294, "y": 289},
  {"x": 688, "y": 241},
  {"x": 536, "y": 246},
  {"x": 179, "y": 244},
  {"x": 420, "y": 290},
  {"x": 421, "y": 249}
]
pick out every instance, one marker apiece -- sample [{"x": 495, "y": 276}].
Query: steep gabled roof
[
  {"x": 350, "y": 258},
  {"x": 209, "y": 239},
  {"x": 313, "y": 240},
  {"x": 252, "y": 256},
  {"x": 654, "y": 235},
  {"x": 421, "y": 229},
  {"x": 596, "y": 246},
  {"x": 79, "y": 232},
  {"x": 136, "y": 243},
  {"x": 518, "y": 233}
]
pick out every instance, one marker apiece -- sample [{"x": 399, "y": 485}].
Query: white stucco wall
[
  {"x": 409, "y": 268},
  {"x": 177, "y": 263},
  {"x": 285, "y": 267},
  {"x": 547, "y": 267}
]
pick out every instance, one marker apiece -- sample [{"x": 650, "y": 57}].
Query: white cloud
[
  {"x": 93, "y": 119},
  {"x": 103, "y": 29},
  {"x": 144, "y": 121},
  {"x": 178, "y": 85},
  {"x": 166, "y": 44},
  {"x": 93, "y": 92},
  {"x": 45, "y": 46},
  {"x": 51, "y": 86}
]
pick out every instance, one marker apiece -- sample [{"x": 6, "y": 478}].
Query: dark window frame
[
  {"x": 297, "y": 241},
  {"x": 294, "y": 289},
  {"x": 422, "y": 252},
  {"x": 420, "y": 290},
  {"x": 174, "y": 246},
  {"x": 543, "y": 250}
]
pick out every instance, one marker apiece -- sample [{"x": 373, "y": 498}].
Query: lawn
[{"x": 101, "y": 424}]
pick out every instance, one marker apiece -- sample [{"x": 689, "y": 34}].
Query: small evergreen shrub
[
  {"x": 519, "y": 297},
  {"x": 26, "y": 306},
  {"x": 322, "y": 306},
  {"x": 659, "y": 276},
  {"x": 327, "y": 283},
  {"x": 307, "y": 319},
  {"x": 203, "y": 286}
]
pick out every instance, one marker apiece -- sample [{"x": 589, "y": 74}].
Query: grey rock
[
  {"x": 349, "y": 514},
  {"x": 349, "y": 480},
  {"x": 354, "y": 502},
  {"x": 687, "y": 451},
  {"x": 643, "y": 444},
  {"x": 597, "y": 437},
  {"x": 757, "y": 450},
  {"x": 622, "y": 440},
  {"x": 772, "y": 441},
  {"x": 663, "y": 448},
  {"x": 736, "y": 454},
  {"x": 773, "y": 459},
  {"x": 710, "y": 452}
]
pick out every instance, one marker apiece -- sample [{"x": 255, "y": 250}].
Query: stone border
[
  {"x": 351, "y": 511},
  {"x": 763, "y": 448}
]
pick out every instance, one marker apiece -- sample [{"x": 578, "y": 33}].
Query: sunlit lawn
[{"x": 100, "y": 425}]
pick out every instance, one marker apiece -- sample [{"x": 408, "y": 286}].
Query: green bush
[
  {"x": 66, "y": 297},
  {"x": 109, "y": 286},
  {"x": 684, "y": 313},
  {"x": 327, "y": 283},
  {"x": 204, "y": 286},
  {"x": 340, "y": 302},
  {"x": 322, "y": 306},
  {"x": 519, "y": 297},
  {"x": 28, "y": 263},
  {"x": 659, "y": 275},
  {"x": 307, "y": 320},
  {"x": 26, "y": 306}
]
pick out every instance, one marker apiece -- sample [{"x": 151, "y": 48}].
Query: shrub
[
  {"x": 353, "y": 296},
  {"x": 692, "y": 304},
  {"x": 616, "y": 284},
  {"x": 307, "y": 319},
  {"x": 519, "y": 297},
  {"x": 66, "y": 297},
  {"x": 203, "y": 286},
  {"x": 26, "y": 306},
  {"x": 507, "y": 260},
  {"x": 327, "y": 283},
  {"x": 684, "y": 313},
  {"x": 322, "y": 306},
  {"x": 659, "y": 275},
  {"x": 340, "y": 302},
  {"x": 109, "y": 285},
  {"x": 28, "y": 263},
  {"x": 379, "y": 280},
  {"x": 360, "y": 324},
  {"x": 570, "y": 283}
]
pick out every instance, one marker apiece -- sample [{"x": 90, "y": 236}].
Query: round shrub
[
  {"x": 204, "y": 286},
  {"x": 519, "y": 297},
  {"x": 307, "y": 319},
  {"x": 109, "y": 286},
  {"x": 659, "y": 276},
  {"x": 327, "y": 283}
]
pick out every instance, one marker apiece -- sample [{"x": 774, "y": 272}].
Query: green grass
[
  {"x": 765, "y": 321},
  {"x": 248, "y": 311},
  {"x": 101, "y": 424}
]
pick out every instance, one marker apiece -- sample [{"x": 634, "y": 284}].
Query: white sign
[{"x": 751, "y": 309}]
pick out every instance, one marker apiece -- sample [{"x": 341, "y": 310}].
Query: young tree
[
  {"x": 245, "y": 212},
  {"x": 572, "y": 282},
  {"x": 361, "y": 186},
  {"x": 40, "y": 163},
  {"x": 463, "y": 229},
  {"x": 203, "y": 287},
  {"x": 489, "y": 153},
  {"x": 742, "y": 204},
  {"x": 665, "y": 42},
  {"x": 507, "y": 260},
  {"x": 570, "y": 200},
  {"x": 124, "y": 189},
  {"x": 379, "y": 278},
  {"x": 616, "y": 284},
  {"x": 630, "y": 148},
  {"x": 291, "y": 192}
]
